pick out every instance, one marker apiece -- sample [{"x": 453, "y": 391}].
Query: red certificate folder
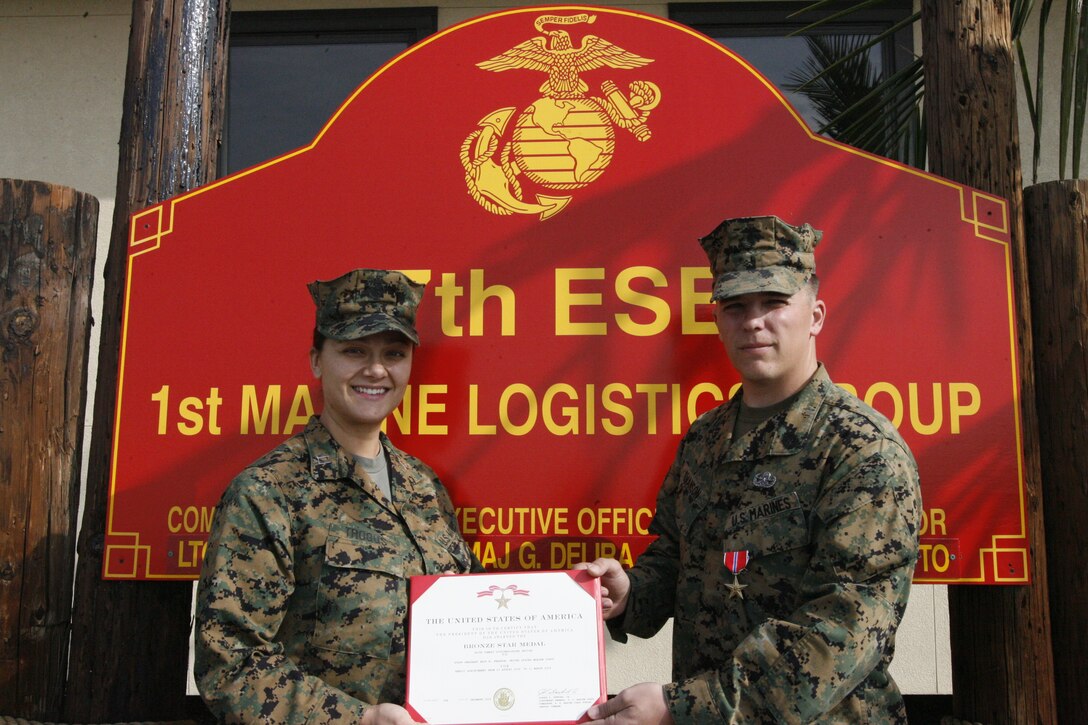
[{"x": 512, "y": 647}]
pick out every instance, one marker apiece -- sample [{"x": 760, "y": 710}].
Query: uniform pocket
[
  {"x": 778, "y": 556},
  {"x": 768, "y": 536},
  {"x": 452, "y": 552},
  {"x": 360, "y": 598},
  {"x": 691, "y": 503}
]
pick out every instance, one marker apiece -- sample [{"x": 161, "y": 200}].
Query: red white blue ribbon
[{"x": 736, "y": 561}]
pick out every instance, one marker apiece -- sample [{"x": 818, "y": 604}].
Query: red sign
[{"x": 548, "y": 172}]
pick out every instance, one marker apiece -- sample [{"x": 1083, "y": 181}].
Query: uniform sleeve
[
  {"x": 854, "y": 593},
  {"x": 445, "y": 505},
  {"x": 243, "y": 674}
]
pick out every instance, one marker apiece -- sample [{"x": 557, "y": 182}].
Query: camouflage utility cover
[
  {"x": 824, "y": 496},
  {"x": 366, "y": 301},
  {"x": 760, "y": 254},
  {"x": 302, "y": 603}
]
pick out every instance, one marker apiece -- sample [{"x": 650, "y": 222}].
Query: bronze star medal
[{"x": 736, "y": 562}]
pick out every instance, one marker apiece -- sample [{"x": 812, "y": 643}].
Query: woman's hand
[{"x": 386, "y": 713}]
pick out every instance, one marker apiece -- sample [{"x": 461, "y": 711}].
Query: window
[
  {"x": 759, "y": 33},
  {"x": 289, "y": 71}
]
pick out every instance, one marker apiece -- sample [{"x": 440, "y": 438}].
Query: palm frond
[
  {"x": 884, "y": 118},
  {"x": 1033, "y": 110},
  {"x": 853, "y": 102},
  {"x": 876, "y": 40},
  {"x": 1069, "y": 50},
  {"x": 845, "y": 12},
  {"x": 1080, "y": 87}
]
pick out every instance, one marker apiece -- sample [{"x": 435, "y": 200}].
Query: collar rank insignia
[
  {"x": 764, "y": 479},
  {"x": 736, "y": 562}
]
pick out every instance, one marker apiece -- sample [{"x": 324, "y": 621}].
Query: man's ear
[
  {"x": 315, "y": 367},
  {"x": 819, "y": 314}
]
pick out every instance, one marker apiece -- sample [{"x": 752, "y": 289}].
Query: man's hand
[
  {"x": 615, "y": 585},
  {"x": 386, "y": 713},
  {"x": 642, "y": 704}
]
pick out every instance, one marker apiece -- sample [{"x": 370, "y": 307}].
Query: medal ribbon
[{"x": 736, "y": 561}]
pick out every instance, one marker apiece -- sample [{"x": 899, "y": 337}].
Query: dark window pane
[
  {"x": 282, "y": 96},
  {"x": 782, "y": 60},
  {"x": 289, "y": 71},
  {"x": 759, "y": 33}
]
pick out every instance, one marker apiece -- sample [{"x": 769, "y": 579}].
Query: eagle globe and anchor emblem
[{"x": 563, "y": 140}]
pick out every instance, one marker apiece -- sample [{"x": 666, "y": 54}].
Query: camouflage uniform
[
  {"x": 833, "y": 544},
  {"x": 303, "y": 598},
  {"x": 302, "y": 602},
  {"x": 823, "y": 496}
]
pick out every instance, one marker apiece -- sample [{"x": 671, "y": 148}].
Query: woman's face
[{"x": 362, "y": 380}]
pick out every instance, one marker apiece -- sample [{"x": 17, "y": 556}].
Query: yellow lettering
[
  {"x": 213, "y": 402},
  {"x": 933, "y": 523},
  {"x": 624, "y": 557},
  {"x": 447, "y": 294},
  {"x": 612, "y": 406},
  {"x": 426, "y": 408},
  {"x": 613, "y": 521},
  {"x": 527, "y": 556},
  {"x": 651, "y": 392},
  {"x": 658, "y": 306},
  {"x": 703, "y": 389},
  {"x": 191, "y": 519},
  {"x": 915, "y": 416},
  {"x": 162, "y": 397},
  {"x": 958, "y": 408},
  {"x": 570, "y": 426},
  {"x": 890, "y": 390},
  {"x": 504, "y": 409},
  {"x": 565, "y": 300},
  {"x": 302, "y": 408},
  {"x": 934, "y": 557},
  {"x": 466, "y": 518},
  {"x": 189, "y": 410},
  {"x": 691, "y": 299},
  {"x": 269, "y": 410},
  {"x": 478, "y": 294},
  {"x": 474, "y": 427}
]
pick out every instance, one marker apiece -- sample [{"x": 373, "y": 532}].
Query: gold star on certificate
[{"x": 736, "y": 588}]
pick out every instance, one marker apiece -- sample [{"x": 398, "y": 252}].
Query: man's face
[
  {"x": 770, "y": 339},
  {"x": 362, "y": 380}
]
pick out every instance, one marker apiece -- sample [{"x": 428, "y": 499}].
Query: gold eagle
[{"x": 556, "y": 56}]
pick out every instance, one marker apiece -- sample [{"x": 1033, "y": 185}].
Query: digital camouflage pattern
[
  {"x": 760, "y": 254},
  {"x": 824, "y": 496},
  {"x": 366, "y": 301},
  {"x": 303, "y": 600}
]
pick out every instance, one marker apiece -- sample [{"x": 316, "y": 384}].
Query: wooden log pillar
[
  {"x": 47, "y": 245},
  {"x": 1002, "y": 667},
  {"x": 1056, "y": 220},
  {"x": 130, "y": 639}
]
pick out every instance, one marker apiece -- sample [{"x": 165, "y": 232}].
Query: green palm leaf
[{"x": 883, "y": 115}]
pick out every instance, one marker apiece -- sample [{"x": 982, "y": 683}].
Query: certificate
[{"x": 519, "y": 647}]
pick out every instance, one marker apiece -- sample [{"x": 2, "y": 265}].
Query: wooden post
[
  {"x": 130, "y": 639},
  {"x": 1056, "y": 218},
  {"x": 47, "y": 243},
  {"x": 1002, "y": 667}
]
